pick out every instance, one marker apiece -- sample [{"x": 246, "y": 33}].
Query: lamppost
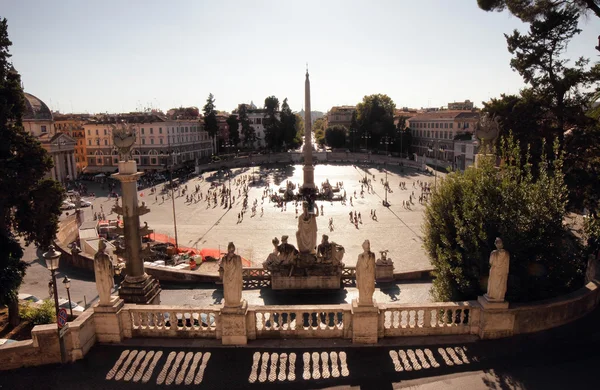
[
  {"x": 52, "y": 257},
  {"x": 67, "y": 283},
  {"x": 386, "y": 141}
]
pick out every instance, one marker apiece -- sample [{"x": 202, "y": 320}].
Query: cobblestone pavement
[
  {"x": 561, "y": 358},
  {"x": 396, "y": 229}
]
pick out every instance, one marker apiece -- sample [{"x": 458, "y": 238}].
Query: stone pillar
[
  {"x": 53, "y": 170},
  {"x": 107, "y": 320},
  {"x": 138, "y": 287},
  {"x": 309, "y": 170},
  {"x": 59, "y": 167},
  {"x": 364, "y": 323},
  {"x": 233, "y": 325},
  {"x": 67, "y": 159}
]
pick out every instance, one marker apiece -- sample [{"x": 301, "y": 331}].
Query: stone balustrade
[
  {"x": 169, "y": 321},
  {"x": 445, "y": 318},
  {"x": 324, "y": 321}
]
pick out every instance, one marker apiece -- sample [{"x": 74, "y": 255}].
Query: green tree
[
  {"x": 247, "y": 130},
  {"x": 335, "y": 136},
  {"x": 234, "y": 133},
  {"x": 538, "y": 59},
  {"x": 288, "y": 126},
  {"x": 354, "y": 132},
  {"x": 29, "y": 204},
  {"x": 299, "y": 128},
  {"x": 211, "y": 126},
  {"x": 469, "y": 209},
  {"x": 530, "y": 10},
  {"x": 273, "y": 136},
  {"x": 319, "y": 130},
  {"x": 375, "y": 117}
]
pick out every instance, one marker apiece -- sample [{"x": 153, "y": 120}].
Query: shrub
[
  {"x": 469, "y": 210},
  {"x": 44, "y": 314}
]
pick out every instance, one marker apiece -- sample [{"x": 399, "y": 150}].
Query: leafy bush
[
  {"x": 44, "y": 314},
  {"x": 470, "y": 209}
]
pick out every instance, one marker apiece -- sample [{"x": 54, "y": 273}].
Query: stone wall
[
  {"x": 68, "y": 229},
  {"x": 44, "y": 348}
]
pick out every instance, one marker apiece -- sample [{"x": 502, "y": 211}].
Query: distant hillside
[{"x": 313, "y": 114}]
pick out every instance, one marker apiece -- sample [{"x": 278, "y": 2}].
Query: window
[
  {"x": 89, "y": 132},
  {"x": 105, "y": 133},
  {"x": 153, "y": 161},
  {"x": 463, "y": 148},
  {"x": 451, "y": 125},
  {"x": 445, "y": 134},
  {"x": 143, "y": 141},
  {"x": 98, "y": 142},
  {"x": 142, "y": 130},
  {"x": 116, "y": 161},
  {"x": 151, "y": 130},
  {"x": 160, "y": 130},
  {"x": 99, "y": 161},
  {"x": 467, "y": 125},
  {"x": 96, "y": 131},
  {"x": 437, "y": 125},
  {"x": 428, "y": 134},
  {"x": 152, "y": 141},
  {"x": 186, "y": 129},
  {"x": 445, "y": 125},
  {"x": 105, "y": 142},
  {"x": 161, "y": 141},
  {"x": 89, "y": 142}
]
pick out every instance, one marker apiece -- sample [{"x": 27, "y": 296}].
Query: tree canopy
[
  {"x": 470, "y": 209},
  {"x": 248, "y": 131},
  {"x": 375, "y": 117},
  {"x": 234, "y": 133},
  {"x": 335, "y": 136},
  {"x": 211, "y": 126},
  {"x": 273, "y": 135},
  {"x": 29, "y": 204},
  {"x": 530, "y": 10}
]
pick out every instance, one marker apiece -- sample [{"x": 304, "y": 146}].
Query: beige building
[
  {"x": 160, "y": 141},
  {"x": 466, "y": 105},
  {"x": 434, "y": 132},
  {"x": 72, "y": 125},
  {"x": 39, "y": 122},
  {"x": 340, "y": 116}
]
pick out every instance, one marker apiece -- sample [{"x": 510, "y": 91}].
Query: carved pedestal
[
  {"x": 144, "y": 290},
  {"x": 364, "y": 323},
  {"x": 233, "y": 325},
  {"x": 496, "y": 321},
  {"x": 384, "y": 273},
  {"x": 107, "y": 320},
  {"x": 279, "y": 282}
]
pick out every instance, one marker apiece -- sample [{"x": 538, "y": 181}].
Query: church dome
[{"x": 35, "y": 109}]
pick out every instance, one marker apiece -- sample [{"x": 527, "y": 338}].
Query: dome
[{"x": 35, "y": 109}]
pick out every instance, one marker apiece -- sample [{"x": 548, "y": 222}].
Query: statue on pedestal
[
  {"x": 287, "y": 252},
  {"x": 123, "y": 140},
  {"x": 273, "y": 261},
  {"x": 383, "y": 260},
  {"x": 365, "y": 275},
  {"x": 103, "y": 270},
  {"x": 324, "y": 250},
  {"x": 231, "y": 269},
  {"x": 306, "y": 236},
  {"x": 499, "y": 263}
]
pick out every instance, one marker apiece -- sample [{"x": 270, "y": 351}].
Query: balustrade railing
[
  {"x": 349, "y": 276},
  {"x": 326, "y": 321},
  {"x": 431, "y": 319},
  {"x": 165, "y": 321},
  {"x": 256, "y": 277}
]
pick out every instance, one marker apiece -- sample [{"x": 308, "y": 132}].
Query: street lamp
[
  {"x": 386, "y": 141},
  {"x": 67, "y": 282},
  {"x": 52, "y": 257}
]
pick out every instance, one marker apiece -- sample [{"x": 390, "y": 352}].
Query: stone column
[
  {"x": 53, "y": 170},
  {"x": 309, "y": 170},
  {"x": 364, "y": 323},
  {"x": 138, "y": 287},
  {"x": 74, "y": 164},
  {"x": 67, "y": 159}
]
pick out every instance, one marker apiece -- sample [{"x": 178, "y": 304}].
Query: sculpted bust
[{"x": 499, "y": 264}]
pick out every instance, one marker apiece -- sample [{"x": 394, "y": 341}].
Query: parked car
[
  {"x": 64, "y": 304},
  {"x": 66, "y": 205},
  {"x": 29, "y": 298},
  {"x": 85, "y": 203}
]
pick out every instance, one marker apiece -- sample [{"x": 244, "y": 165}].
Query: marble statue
[
  {"x": 231, "y": 266},
  {"x": 365, "y": 275},
  {"x": 499, "y": 263},
  {"x": 383, "y": 260},
  {"x": 103, "y": 270},
  {"x": 273, "y": 260},
  {"x": 306, "y": 236},
  {"x": 287, "y": 252},
  {"x": 487, "y": 130},
  {"x": 123, "y": 140},
  {"x": 324, "y": 250}
]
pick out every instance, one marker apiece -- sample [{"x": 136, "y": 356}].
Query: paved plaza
[{"x": 396, "y": 229}]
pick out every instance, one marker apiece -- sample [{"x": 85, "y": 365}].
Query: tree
[
  {"x": 470, "y": 209},
  {"x": 247, "y": 130},
  {"x": 211, "y": 126},
  {"x": 530, "y": 10},
  {"x": 288, "y": 126},
  {"x": 335, "y": 136},
  {"x": 28, "y": 203},
  {"x": 537, "y": 58},
  {"x": 273, "y": 138},
  {"x": 375, "y": 117},
  {"x": 299, "y": 128},
  {"x": 319, "y": 130},
  {"x": 234, "y": 133},
  {"x": 354, "y": 132}
]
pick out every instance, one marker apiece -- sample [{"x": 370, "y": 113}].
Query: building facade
[
  {"x": 72, "y": 125},
  {"x": 256, "y": 118},
  {"x": 340, "y": 116},
  {"x": 160, "y": 141},
  {"x": 39, "y": 122},
  {"x": 434, "y": 132},
  {"x": 466, "y": 105}
]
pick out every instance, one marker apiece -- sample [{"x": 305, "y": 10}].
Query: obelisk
[{"x": 309, "y": 171}]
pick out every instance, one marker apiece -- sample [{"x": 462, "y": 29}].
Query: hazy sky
[{"x": 114, "y": 56}]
